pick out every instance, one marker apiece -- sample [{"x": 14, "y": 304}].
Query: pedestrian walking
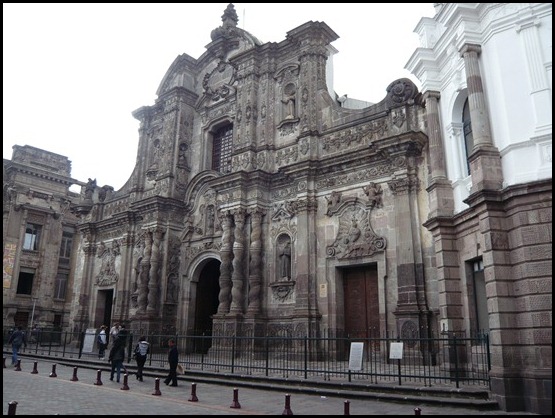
[
  {"x": 173, "y": 360},
  {"x": 117, "y": 355},
  {"x": 17, "y": 339},
  {"x": 141, "y": 352},
  {"x": 102, "y": 340},
  {"x": 114, "y": 331}
]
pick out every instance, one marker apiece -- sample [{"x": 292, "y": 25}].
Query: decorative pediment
[{"x": 217, "y": 84}]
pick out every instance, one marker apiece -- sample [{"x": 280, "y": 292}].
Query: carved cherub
[
  {"x": 334, "y": 199},
  {"x": 374, "y": 192}
]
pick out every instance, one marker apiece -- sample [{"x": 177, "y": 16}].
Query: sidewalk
[{"x": 40, "y": 394}]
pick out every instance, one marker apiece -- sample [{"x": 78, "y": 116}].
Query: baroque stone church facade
[{"x": 261, "y": 203}]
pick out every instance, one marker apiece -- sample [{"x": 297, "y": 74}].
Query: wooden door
[{"x": 361, "y": 302}]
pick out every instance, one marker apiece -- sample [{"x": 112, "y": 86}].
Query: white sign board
[
  {"x": 88, "y": 344},
  {"x": 355, "y": 356},
  {"x": 396, "y": 351}
]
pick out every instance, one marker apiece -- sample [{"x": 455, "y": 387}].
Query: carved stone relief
[
  {"x": 107, "y": 274},
  {"x": 355, "y": 236}
]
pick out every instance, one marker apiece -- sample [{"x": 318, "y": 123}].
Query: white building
[{"x": 486, "y": 76}]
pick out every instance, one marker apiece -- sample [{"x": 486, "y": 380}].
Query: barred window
[{"x": 221, "y": 150}]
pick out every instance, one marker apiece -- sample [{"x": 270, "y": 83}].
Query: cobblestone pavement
[{"x": 40, "y": 394}]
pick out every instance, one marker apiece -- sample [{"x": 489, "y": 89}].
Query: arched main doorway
[{"x": 208, "y": 289}]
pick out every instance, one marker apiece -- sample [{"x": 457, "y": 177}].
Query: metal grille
[{"x": 221, "y": 151}]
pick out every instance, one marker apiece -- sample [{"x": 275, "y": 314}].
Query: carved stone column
[
  {"x": 485, "y": 160},
  {"x": 238, "y": 275},
  {"x": 440, "y": 192},
  {"x": 153, "y": 280},
  {"x": 255, "y": 270},
  {"x": 225, "y": 266},
  {"x": 142, "y": 298}
]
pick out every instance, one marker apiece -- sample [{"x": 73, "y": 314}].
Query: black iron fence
[{"x": 450, "y": 359}]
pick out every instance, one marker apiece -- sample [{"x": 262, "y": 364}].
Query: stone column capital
[
  {"x": 431, "y": 94},
  {"x": 467, "y": 48}
]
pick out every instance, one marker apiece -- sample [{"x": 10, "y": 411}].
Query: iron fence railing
[{"x": 449, "y": 359}]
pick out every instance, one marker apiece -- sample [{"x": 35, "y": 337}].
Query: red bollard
[
  {"x": 235, "y": 404},
  {"x": 193, "y": 397},
  {"x": 157, "y": 387},
  {"x": 12, "y": 407},
  {"x": 35, "y": 370},
  {"x": 287, "y": 410},
  {"x": 74, "y": 377},
  {"x": 98, "y": 380},
  {"x": 417, "y": 411},
  {"x": 53, "y": 374},
  {"x": 125, "y": 386},
  {"x": 346, "y": 408},
  {"x": 18, "y": 366}
]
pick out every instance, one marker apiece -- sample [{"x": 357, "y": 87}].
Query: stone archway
[{"x": 208, "y": 288}]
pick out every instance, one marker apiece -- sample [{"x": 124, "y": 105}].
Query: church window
[
  {"x": 468, "y": 137},
  {"x": 222, "y": 147}
]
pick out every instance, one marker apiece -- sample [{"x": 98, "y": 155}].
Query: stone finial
[
  {"x": 228, "y": 30},
  {"x": 229, "y": 18}
]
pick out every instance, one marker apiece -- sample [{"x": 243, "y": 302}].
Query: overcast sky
[{"x": 74, "y": 73}]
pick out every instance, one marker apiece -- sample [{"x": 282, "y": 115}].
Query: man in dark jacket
[
  {"x": 117, "y": 355},
  {"x": 173, "y": 360},
  {"x": 17, "y": 339}
]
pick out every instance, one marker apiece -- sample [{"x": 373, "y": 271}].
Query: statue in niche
[
  {"x": 171, "y": 294},
  {"x": 182, "y": 157},
  {"x": 285, "y": 260},
  {"x": 289, "y": 101}
]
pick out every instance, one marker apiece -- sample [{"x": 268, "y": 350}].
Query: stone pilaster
[
  {"x": 440, "y": 192},
  {"x": 528, "y": 29},
  {"x": 411, "y": 308},
  {"x": 485, "y": 160}
]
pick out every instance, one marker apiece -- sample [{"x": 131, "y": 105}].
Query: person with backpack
[
  {"x": 141, "y": 352},
  {"x": 102, "y": 340},
  {"x": 17, "y": 339}
]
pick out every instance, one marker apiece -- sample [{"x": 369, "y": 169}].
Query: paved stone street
[{"x": 40, "y": 394}]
